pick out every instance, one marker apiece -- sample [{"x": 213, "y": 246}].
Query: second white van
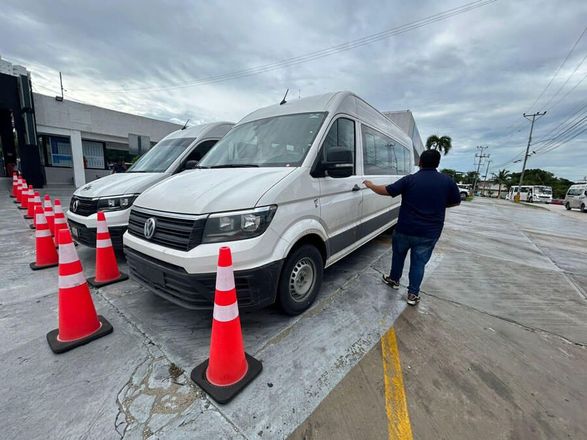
[
  {"x": 114, "y": 194},
  {"x": 283, "y": 189}
]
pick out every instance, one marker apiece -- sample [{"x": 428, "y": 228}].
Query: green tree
[
  {"x": 502, "y": 178},
  {"x": 470, "y": 177},
  {"x": 452, "y": 173},
  {"x": 442, "y": 144}
]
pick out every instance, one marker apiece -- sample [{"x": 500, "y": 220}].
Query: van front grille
[
  {"x": 83, "y": 206},
  {"x": 176, "y": 233}
]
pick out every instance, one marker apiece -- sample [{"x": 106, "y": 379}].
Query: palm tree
[
  {"x": 442, "y": 144},
  {"x": 502, "y": 178}
]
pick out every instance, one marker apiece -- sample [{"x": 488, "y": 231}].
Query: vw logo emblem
[
  {"x": 75, "y": 205},
  {"x": 149, "y": 228}
]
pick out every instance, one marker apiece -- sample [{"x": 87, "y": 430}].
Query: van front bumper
[{"x": 255, "y": 288}]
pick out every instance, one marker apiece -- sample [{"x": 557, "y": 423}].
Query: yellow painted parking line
[{"x": 396, "y": 406}]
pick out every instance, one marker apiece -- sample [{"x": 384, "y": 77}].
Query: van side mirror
[
  {"x": 190, "y": 164},
  {"x": 339, "y": 162}
]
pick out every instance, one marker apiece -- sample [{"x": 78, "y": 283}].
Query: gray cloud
[{"x": 470, "y": 77}]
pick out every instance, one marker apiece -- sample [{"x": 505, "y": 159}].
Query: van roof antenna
[
  {"x": 283, "y": 101},
  {"x": 185, "y": 125}
]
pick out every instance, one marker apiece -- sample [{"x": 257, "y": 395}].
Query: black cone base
[
  {"x": 47, "y": 266},
  {"x": 27, "y": 217},
  {"x": 32, "y": 226},
  {"x": 225, "y": 394},
  {"x": 92, "y": 281},
  {"x": 20, "y": 207},
  {"x": 61, "y": 347}
]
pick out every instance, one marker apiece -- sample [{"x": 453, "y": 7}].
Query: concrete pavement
[
  {"x": 496, "y": 349},
  {"x": 493, "y": 351}
]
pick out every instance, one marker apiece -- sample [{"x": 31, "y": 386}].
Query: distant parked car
[
  {"x": 464, "y": 191},
  {"x": 577, "y": 197}
]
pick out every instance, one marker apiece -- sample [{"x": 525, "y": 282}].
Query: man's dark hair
[{"x": 430, "y": 159}]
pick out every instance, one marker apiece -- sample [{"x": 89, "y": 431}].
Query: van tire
[
  {"x": 567, "y": 206},
  {"x": 463, "y": 196},
  {"x": 583, "y": 207},
  {"x": 301, "y": 263}
]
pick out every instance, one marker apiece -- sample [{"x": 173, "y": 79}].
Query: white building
[
  {"x": 53, "y": 140},
  {"x": 79, "y": 141}
]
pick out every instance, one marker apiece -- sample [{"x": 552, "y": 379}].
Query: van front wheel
[{"x": 300, "y": 280}]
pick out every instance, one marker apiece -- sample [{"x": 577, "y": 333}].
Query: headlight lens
[
  {"x": 231, "y": 226},
  {"x": 116, "y": 203}
]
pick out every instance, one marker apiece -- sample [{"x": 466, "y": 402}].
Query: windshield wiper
[{"x": 236, "y": 165}]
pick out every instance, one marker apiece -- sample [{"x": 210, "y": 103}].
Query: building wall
[
  {"x": 82, "y": 122},
  {"x": 97, "y": 120}
]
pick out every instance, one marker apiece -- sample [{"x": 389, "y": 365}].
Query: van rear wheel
[
  {"x": 300, "y": 280},
  {"x": 567, "y": 206},
  {"x": 583, "y": 207}
]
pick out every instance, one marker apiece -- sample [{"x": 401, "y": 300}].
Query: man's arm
[
  {"x": 393, "y": 190},
  {"x": 378, "y": 189},
  {"x": 454, "y": 197}
]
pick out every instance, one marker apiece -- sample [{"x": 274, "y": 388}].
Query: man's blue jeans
[{"x": 420, "y": 252}]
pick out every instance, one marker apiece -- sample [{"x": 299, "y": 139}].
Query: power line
[
  {"x": 559, "y": 68},
  {"x": 369, "y": 39},
  {"x": 567, "y": 80}
]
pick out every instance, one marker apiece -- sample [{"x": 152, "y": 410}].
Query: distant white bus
[{"x": 532, "y": 193}]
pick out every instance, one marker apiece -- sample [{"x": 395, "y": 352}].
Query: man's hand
[{"x": 379, "y": 189}]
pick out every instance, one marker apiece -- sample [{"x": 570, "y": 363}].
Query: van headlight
[
  {"x": 116, "y": 203},
  {"x": 237, "y": 225}
]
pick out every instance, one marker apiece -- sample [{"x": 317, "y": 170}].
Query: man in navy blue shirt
[{"x": 425, "y": 197}]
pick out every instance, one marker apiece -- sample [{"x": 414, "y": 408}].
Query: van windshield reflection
[
  {"x": 161, "y": 156},
  {"x": 279, "y": 141}
]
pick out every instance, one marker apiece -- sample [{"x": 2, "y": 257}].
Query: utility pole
[
  {"x": 534, "y": 116},
  {"x": 481, "y": 156},
  {"x": 486, "y": 172}
]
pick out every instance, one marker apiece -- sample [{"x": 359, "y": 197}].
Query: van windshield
[
  {"x": 161, "y": 156},
  {"x": 280, "y": 141}
]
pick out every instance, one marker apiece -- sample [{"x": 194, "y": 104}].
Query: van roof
[
  {"x": 334, "y": 103},
  {"x": 213, "y": 129}
]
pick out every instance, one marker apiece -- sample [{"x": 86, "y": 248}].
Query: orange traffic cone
[
  {"x": 60, "y": 222},
  {"x": 31, "y": 204},
  {"x": 106, "y": 265},
  {"x": 48, "y": 209},
  {"x": 46, "y": 255},
  {"x": 229, "y": 369},
  {"x": 14, "y": 183},
  {"x": 78, "y": 321},
  {"x": 24, "y": 196},
  {"x": 18, "y": 197},
  {"x": 33, "y": 207}
]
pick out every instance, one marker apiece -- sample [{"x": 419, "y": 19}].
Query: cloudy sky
[{"x": 470, "y": 76}]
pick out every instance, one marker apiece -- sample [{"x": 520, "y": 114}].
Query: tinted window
[
  {"x": 341, "y": 134},
  {"x": 382, "y": 155},
  {"x": 200, "y": 151}
]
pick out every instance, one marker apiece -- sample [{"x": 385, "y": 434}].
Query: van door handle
[{"x": 356, "y": 187}]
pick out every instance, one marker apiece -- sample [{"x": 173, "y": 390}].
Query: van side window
[
  {"x": 341, "y": 134},
  {"x": 382, "y": 155},
  {"x": 200, "y": 151}
]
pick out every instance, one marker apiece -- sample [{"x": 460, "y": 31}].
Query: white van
[
  {"x": 114, "y": 194},
  {"x": 577, "y": 197},
  {"x": 284, "y": 191}
]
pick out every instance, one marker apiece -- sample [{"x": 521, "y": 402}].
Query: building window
[
  {"x": 93, "y": 154},
  {"x": 60, "y": 154}
]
